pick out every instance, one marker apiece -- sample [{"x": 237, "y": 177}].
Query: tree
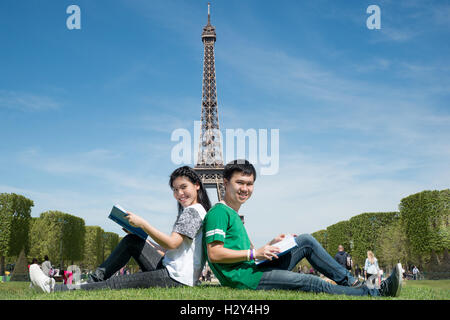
[
  {"x": 15, "y": 216},
  {"x": 58, "y": 235},
  {"x": 392, "y": 245},
  {"x": 111, "y": 240},
  {"x": 338, "y": 233},
  {"x": 366, "y": 232},
  {"x": 93, "y": 254},
  {"x": 425, "y": 218},
  {"x": 20, "y": 272}
]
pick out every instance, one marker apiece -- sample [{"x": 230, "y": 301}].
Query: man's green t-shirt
[{"x": 222, "y": 223}]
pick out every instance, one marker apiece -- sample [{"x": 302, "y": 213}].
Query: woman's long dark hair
[{"x": 202, "y": 195}]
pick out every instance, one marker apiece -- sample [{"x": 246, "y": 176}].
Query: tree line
[
  {"x": 63, "y": 237},
  {"x": 417, "y": 234}
]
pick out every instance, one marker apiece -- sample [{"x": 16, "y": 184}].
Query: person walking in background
[
  {"x": 47, "y": 267},
  {"x": 415, "y": 273},
  {"x": 67, "y": 277},
  {"x": 371, "y": 268},
  {"x": 343, "y": 258}
]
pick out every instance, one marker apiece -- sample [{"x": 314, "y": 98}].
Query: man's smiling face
[{"x": 239, "y": 188}]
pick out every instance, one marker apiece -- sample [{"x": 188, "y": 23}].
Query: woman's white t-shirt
[
  {"x": 186, "y": 262},
  {"x": 371, "y": 268}
]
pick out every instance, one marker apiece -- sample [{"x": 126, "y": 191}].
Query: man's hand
[
  {"x": 277, "y": 239},
  {"x": 267, "y": 252}
]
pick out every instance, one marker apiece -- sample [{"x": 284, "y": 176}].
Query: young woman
[
  {"x": 181, "y": 264},
  {"x": 371, "y": 267}
]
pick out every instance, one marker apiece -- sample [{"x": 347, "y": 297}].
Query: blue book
[{"x": 118, "y": 215}]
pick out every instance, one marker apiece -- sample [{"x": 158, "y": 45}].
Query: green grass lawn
[{"x": 412, "y": 290}]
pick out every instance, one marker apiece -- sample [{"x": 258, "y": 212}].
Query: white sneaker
[{"x": 40, "y": 280}]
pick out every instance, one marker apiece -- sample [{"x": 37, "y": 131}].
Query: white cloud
[{"x": 23, "y": 101}]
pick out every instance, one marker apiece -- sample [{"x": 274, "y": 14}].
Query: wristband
[{"x": 251, "y": 254}]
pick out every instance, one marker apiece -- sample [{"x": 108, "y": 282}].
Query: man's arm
[{"x": 218, "y": 254}]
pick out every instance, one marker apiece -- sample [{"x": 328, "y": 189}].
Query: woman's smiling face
[{"x": 184, "y": 191}]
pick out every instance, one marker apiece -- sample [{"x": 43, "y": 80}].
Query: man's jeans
[{"x": 278, "y": 275}]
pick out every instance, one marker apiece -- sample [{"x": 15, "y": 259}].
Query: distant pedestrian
[
  {"x": 47, "y": 267},
  {"x": 415, "y": 273},
  {"x": 343, "y": 258},
  {"x": 371, "y": 268}
]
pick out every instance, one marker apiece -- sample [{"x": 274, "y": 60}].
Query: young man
[
  {"x": 231, "y": 255},
  {"x": 342, "y": 256}
]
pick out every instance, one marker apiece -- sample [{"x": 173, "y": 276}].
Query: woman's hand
[
  {"x": 135, "y": 220},
  {"x": 267, "y": 252}
]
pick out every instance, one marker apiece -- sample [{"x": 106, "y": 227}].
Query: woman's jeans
[
  {"x": 278, "y": 275},
  {"x": 153, "y": 274}
]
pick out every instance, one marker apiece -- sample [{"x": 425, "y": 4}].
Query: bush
[{"x": 425, "y": 218}]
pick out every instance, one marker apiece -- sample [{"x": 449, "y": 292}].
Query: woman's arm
[{"x": 168, "y": 242}]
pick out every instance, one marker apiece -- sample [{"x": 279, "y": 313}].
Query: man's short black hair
[{"x": 239, "y": 165}]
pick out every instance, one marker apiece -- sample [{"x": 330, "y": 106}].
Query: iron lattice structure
[{"x": 210, "y": 161}]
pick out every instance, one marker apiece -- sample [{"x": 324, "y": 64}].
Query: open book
[
  {"x": 118, "y": 215},
  {"x": 285, "y": 246}
]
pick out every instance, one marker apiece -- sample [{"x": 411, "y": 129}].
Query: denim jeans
[
  {"x": 153, "y": 274},
  {"x": 130, "y": 246},
  {"x": 277, "y": 274}
]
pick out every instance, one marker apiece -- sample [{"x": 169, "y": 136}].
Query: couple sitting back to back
[{"x": 218, "y": 235}]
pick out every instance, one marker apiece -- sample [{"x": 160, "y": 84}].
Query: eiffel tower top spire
[
  {"x": 209, "y": 31},
  {"x": 209, "y": 13}
]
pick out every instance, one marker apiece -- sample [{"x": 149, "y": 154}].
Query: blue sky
[{"x": 86, "y": 116}]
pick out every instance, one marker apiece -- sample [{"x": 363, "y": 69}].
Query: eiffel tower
[{"x": 210, "y": 161}]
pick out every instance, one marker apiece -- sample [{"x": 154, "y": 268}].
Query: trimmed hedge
[
  {"x": 425, "y": 217},
  {"x": 93, "y": 254},
  {"x": 15, "y": 216},
  {"x": 366, "y": 233},
  {"x": 55, "y": 233},
  {"x": 419, "y": 233},
  {"x": 336, "y": 234}
]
